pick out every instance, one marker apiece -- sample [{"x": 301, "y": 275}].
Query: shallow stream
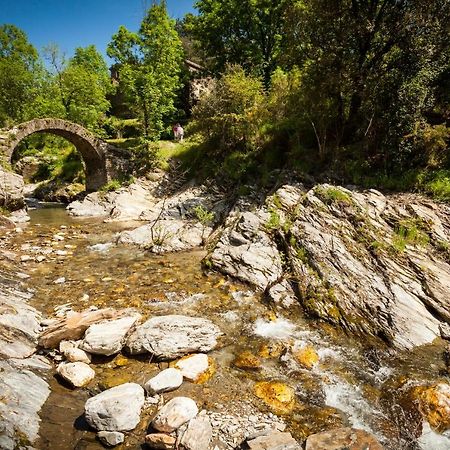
[{"x": 355, "y": 383}]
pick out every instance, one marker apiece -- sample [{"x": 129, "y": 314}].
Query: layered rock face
[
  {"x": 11, "y": 190},
  {"x": 373, "y": 264}
]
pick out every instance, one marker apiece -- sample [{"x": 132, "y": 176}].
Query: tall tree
[
  {"x": 369, "y": 66},
  {"x": 19, "y": 69},
  {"x": 244, "y": 32},
  {"x": 149, "y": 64},
  {"x": 81, "y": 85}
]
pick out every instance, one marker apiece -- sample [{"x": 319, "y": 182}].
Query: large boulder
[
  {"x": 22, "y": 393},
  {"x": 108, "y": 337},
  {"x": 169, "y": 337},
  {"x": 11, "y": 190},
  {"x": 116, "y": 409},
  {"x": 175, "y": 413}
]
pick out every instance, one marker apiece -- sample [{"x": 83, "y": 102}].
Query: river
[{"x": 355, "y": 383}]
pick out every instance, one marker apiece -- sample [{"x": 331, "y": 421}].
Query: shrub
[{"x": 228, "y": 113}]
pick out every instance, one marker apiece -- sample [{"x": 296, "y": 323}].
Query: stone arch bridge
[{"x": 102, "y": 161}]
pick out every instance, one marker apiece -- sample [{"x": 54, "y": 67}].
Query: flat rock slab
[
  {"x": 116, "y": 409},
  {"x": 167, "y": 380},
  {"x": 175, "y": 413},
  {"x": 343, "y": 439},
  {"x": 22, "y": 396},
  {"x": 170, "y": 337},
  {"x": 160, "y": 441},
  {"x": 78, "y": 374},
  {"x": 73, "y": 326},
  {"x": 275, "y": 441},
  {"x": 107, "y": 338}
]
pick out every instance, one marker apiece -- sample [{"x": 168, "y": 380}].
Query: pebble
[
  {"x": 110, "y": 438},
  {"x": 192, "y": 367},
  {"x": 78, "y": 374},
  {"x": 60, "y": 280}
]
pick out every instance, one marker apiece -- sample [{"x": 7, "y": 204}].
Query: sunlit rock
[
  {"x": 343, "y": 439},
  {"x": 305, "y": 355},
  {"x": 108, "y": 338},
  {"x": 169, "y": 337},
  {"x": 167, "y": 380},
  {"x": 116, "y": 409},
  {"x": 78, "y": 374},
  {"x": 247, "y": 361},
  {"x": 277, "y": 395},
  {"x": 175, "y": 413}
]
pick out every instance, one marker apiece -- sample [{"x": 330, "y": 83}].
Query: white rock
[
  {"x": 78, "y": 374},
  {"x": 198, "y": 434},
  {"x": 25, "y": 258},
  {"x": 169, "y": 337},
  {"x": 64, "y": 346},
  {"x": 110, "y": 438},
  {"x": 108, "y": 338},
  {"x": 60, "y": 280},
  {"x": 77, "y": 355},
  {"x": 175, "y": 413},
  {"x": 165, "y": 381},
  {"x": 193, "y": 366},
  {"x": 116, "y": 409}
]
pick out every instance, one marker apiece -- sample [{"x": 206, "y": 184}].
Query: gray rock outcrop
[
  {"x": 370, "y": 263},
  {"x": 11, "y": 190}
]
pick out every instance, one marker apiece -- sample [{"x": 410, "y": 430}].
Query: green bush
[{"x": 228, "y": 114}]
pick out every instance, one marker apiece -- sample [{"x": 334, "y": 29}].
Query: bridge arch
[{"x": 92, "y": 149}]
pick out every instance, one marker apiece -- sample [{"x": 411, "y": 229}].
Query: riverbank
[{"x": 278, "y": 360}]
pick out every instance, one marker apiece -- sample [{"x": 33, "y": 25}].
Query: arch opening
[{"x": 88, "y": 146}]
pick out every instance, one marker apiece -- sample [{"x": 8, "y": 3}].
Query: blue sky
[{"x": 78, "y": 23}]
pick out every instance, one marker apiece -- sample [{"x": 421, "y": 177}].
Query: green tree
[
  {"x": 149, "y": 64},
  {"x": 244, "y": 32},
  {"x": 81, "y": 84},
  {"x": 19, "y": 70},
  {"x": 368, "y": 68}
]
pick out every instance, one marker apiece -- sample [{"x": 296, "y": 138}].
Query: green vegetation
[
  {"x": 351, "y": 91},
  {"x": 149, "y": 65},
  {"x": 204, "y": 216},
  {"x": 410, "y": 232},
  {"x": 333, "y": 195}
]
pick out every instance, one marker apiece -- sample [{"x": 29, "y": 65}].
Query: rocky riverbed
[{"x": 125, "y": 340}]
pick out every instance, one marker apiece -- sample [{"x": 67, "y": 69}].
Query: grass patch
[
  {"x": 333, "y": 196},
  {"x": 410, "y": 232}
]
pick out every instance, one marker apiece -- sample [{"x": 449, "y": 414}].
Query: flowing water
[{"x": 356, "y": 384}]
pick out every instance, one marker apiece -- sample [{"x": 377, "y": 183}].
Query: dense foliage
[
  {"x": 357, "y": 90},
  {"x": 149, "y": 65}
]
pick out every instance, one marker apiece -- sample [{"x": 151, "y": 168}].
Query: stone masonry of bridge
[{"x": 103, "y": 162}]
